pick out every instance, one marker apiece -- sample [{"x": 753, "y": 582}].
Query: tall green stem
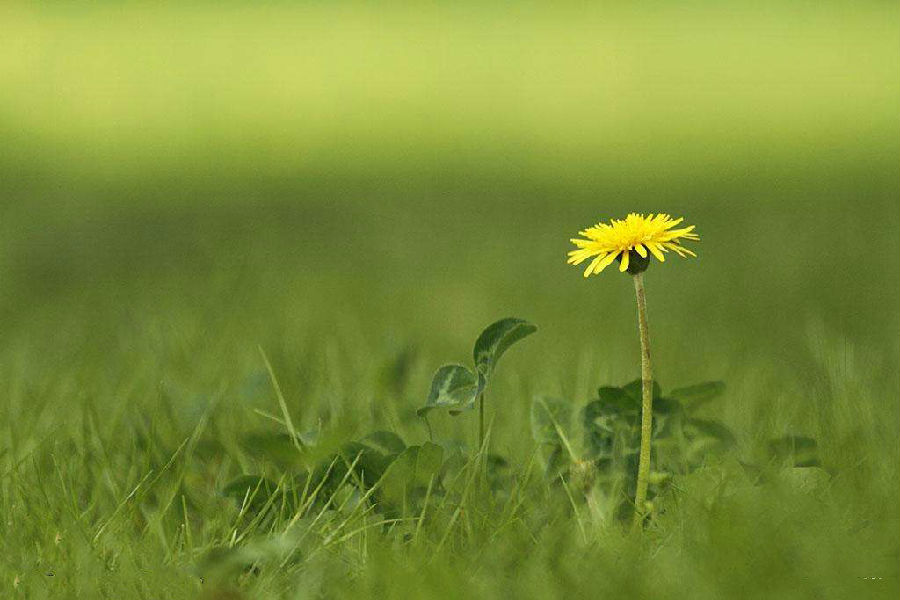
[{"x": 640, "y": 496}]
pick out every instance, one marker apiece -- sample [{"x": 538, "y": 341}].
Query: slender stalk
[{"x": 640, "y": 496}]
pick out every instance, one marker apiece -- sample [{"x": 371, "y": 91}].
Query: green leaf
[
  {"x": 408, "y": 477},
  {"x": 550, "y": 418},
  {"x": 371, "y": 462},
  {"x": 495, "y": 340},
  {"x": 609, "y": 422},
  {"x": 618, "y": 398},
  {"x": 454, "y": 387},
  {"x": 634, "y": 389},
  {"x": 694, "y": 396},
  {"x": 665, "y": 406},
  {"x": 429, "y": 460}
]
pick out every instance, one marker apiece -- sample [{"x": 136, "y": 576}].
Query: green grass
[
  {"x": 131, "y": 374},
  {"x": 154, "y": 238}
]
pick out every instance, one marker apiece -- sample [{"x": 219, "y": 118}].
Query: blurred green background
[
  {"x": 427, "y": 151},
  {"x": 346, "y": 183},
  {"x": 418, "y": 170}
]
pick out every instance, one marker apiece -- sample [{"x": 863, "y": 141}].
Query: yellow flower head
[{"x": 636, "y": 233}]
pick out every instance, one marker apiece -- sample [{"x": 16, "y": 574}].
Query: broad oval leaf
[
  {"x": 415, "y": 466},
  {"x": 496, "y": 339},
  {"x": 371, "y": 461},
  {"x": 454, "y": 387},
  {"x": 406, "y": 481},
  {"x": 618, "y": 399}
]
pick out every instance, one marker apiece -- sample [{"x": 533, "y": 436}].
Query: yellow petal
[
  {"x": 606, "y": 261},
  {"x": 654, "y": 248},
  {"x": 674, "y": 222},
  {"x": 593, "y": 264},
  {"x": 679, "y": 250},
  {"x": 654, "y": 234},
  {"x": 680, "y": 232},
  {"x": 576, "y": 257}
]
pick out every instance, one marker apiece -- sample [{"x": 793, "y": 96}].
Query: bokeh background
[
  {"x": 413, "y": 172},
  {"x": 356, "y": 186}
]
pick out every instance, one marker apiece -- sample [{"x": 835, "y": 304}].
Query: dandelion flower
[{"x": 631, "y": 241}]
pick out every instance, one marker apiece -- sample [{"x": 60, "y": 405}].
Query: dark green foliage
[
  {"x": 409, "y": 479},
  {"x": 610, "y": 438},
  {"x": 392, "y": 476},
  {"x": 455, "y": 387},
  {"x": 598, "y": 456}
]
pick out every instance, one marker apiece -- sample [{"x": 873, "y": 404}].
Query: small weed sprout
[{"x": 458, "y": 388}]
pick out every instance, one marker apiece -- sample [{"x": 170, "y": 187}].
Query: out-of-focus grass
[{"x": 345, "y": 184}]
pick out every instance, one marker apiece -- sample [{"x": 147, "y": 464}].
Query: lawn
[{"x": 236, "y": 242}]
